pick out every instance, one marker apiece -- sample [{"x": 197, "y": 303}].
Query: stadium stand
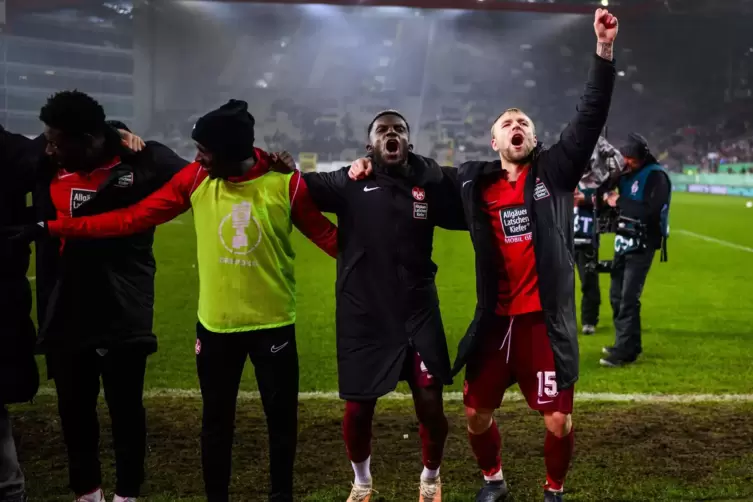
[{"x": 314, "y": 76}]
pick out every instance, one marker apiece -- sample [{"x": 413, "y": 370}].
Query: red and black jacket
[{"x": 100, "y": 293}]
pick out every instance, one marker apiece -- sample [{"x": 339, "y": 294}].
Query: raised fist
[{"x": 605, "y": 26}]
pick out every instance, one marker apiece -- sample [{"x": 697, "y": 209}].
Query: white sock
[
  {"x": 95, "y": 496},
  {"x": 430, "y": 474},
  {"x": 118, "y": 498},
  {"x": 496, "y": 477},
  {"x": 362, "y": 470}
]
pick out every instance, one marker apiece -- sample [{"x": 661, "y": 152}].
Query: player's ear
[
  {"x": 369, "y": 149},
  {"x": 410, "y": 147}
]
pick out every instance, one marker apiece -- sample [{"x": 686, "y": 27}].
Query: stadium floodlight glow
[{"x": 605, "y": 3}]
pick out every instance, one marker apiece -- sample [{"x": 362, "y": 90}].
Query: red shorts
[
  {"x": 415, "y": 372},
  {"x": 517, "y": 350}
]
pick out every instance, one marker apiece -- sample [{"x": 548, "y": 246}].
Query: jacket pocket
[{"x": 347, "y": 269}]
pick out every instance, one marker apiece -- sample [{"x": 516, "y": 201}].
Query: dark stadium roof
[{"x": 736, "y": 7}]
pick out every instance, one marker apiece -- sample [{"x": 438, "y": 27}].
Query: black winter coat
[
  {"x": 386, "y": 297},
  {"x": 19, "y": 375},
  {"x": 548, "y": 196},
  {"x": 99, "y": 293}
]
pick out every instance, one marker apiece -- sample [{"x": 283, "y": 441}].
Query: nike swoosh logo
[
  {"x": 544, "y": 402},
  {"x": 276, "y": 349},
  {"x": 370, "y": 189},
  {"x": 466, "y": 182}
]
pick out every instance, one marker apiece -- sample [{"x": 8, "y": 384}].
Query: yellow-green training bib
[{"x": 245, "y": 257}]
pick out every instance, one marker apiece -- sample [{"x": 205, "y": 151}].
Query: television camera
[{"x": 608, "y": 220}]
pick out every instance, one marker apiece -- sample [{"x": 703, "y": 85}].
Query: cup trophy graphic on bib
[{"x": 240, "y": 233}]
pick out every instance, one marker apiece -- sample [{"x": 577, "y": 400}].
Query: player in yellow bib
[{"x": 244, "y": 215}]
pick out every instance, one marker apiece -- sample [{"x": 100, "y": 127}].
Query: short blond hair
[{"x": 511, "y": 110}]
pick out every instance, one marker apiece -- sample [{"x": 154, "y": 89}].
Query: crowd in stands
[{"x": 319, "y": 85}]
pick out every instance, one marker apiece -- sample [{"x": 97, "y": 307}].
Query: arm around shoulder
[{"x": 328, "y": 189}]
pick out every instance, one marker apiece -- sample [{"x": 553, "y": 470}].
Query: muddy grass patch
[{"x": 624, "y": 452}]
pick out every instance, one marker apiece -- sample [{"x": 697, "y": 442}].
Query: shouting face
[
  {"x": 389, "y": 141},
  {"x": 514, "y": 136}
]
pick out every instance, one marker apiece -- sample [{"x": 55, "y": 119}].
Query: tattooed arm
[
  {"x": 606, "y": 27},
  {"x": 604, "y": 50},
  {"x": 569, "y": 157}
]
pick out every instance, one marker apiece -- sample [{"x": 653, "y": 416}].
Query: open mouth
[
  {"x": 517, "y": 139},
  {"x": 392, "y": 146}
]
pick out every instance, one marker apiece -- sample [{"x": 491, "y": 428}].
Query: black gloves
[{"x": 25, "y": 233}]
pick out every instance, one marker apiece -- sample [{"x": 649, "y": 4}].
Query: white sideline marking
[
  {"x": 458, "y": 396},
  {"x": 715, "y": 240}
]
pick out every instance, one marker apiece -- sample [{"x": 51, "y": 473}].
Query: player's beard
[
  {"x": 224, "y": 171},
  {"x": 518, "y": 155}
]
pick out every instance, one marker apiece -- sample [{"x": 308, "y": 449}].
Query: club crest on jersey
[
  {"x": 419, "y": 193},
  {"x": 79, "y": 196},
  {"x": 420, "y": 210},
  {"x": 124, "y": 181},
  {"x": 540, "y": 191}
]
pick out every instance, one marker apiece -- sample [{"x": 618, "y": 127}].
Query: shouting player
[
  {"x": 519, "y": 210},
  {"x": 389, "y": 326}
]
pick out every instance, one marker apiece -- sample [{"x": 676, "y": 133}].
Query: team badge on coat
[
  {"x": 420, "y": 210},
  {"x": 419, "y": 193},
  {"x": 540, "y": 191},
  {"x": 125, "y": 181}
]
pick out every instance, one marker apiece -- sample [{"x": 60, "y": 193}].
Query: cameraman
[
  {"x": 606, "y": 162},
  {"x": 643, "y": 203}
]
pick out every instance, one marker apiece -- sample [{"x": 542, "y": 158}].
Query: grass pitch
[
  {"x": 622, "y": 453},
  {"x": 697, "y": 313},
  {"x": 697, "y": 308}
]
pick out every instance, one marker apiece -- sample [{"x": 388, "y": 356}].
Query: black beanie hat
[
  {"x": 382, "y": 114},
  {"x": 227, "y": 132},
  {"x": 636, "y": 147}
]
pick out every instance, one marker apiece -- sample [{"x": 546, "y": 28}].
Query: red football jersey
[
  {"x": 516, "y": 263},
  {"x": 69, "y": 191}
]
